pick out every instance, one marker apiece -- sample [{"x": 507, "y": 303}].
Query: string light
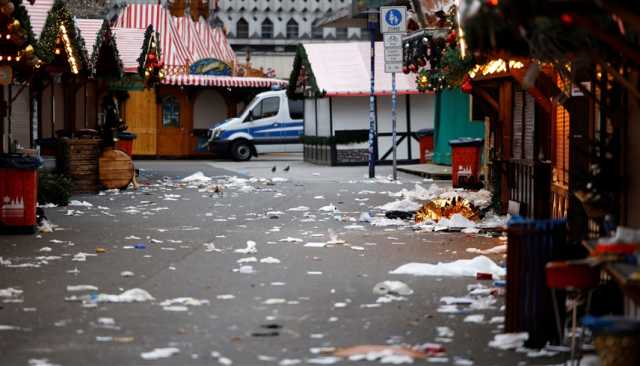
[{"x": 67, "y": 45}]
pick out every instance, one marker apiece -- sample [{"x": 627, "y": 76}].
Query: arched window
[
  {"x": 267, "y": 28},
  {"x": 292, "y": 29},
  {"x": 170, "y": 112},
  {"x": 316, "y": 31},
  {"x": 242, "y": 29}
]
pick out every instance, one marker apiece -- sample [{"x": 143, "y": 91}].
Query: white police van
[{"x": 270, "y": 123}]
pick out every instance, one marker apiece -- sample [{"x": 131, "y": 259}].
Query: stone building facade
[{"x": 270, "y": 30}]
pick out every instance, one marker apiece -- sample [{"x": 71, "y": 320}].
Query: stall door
[
  {"x": 175, "y": 124},
  {"x": 142, "y": 118}
]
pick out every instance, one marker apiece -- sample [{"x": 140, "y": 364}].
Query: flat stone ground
[{"x": 174, "y": 221}]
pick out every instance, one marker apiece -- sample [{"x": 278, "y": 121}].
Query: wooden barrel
[{"x": 116, "y": 169}]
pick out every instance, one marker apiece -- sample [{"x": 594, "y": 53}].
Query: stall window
[{"x": 170, "y": 112}]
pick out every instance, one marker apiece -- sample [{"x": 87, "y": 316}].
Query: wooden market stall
[
  {"x": 336, "y": 97},
  {"x": 188, "y": 68}
]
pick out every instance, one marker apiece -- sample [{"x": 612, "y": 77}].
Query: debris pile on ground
[
  {"x": 460, "y": 268},
  {"x": 445, "y": 208}
]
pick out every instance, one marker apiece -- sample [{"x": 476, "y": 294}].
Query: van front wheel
[{"x": 241, "y": 151}]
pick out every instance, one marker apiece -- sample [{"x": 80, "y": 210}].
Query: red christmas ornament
[
  {"x": 152, "y": 57},
  {"x": 422, "y": 62},
  {"x": 413, "y": 68},
  {"x": 466, "y": 86},
  {"x": 405, "y": 70},
  {"x": 451, "y": 38},
  {"x": 492, "y": 3},
  {"x": 566, "y": 19}
]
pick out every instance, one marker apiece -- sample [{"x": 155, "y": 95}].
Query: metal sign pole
[
  {"x": 394, "y": 113},
  {"x": 373, "y": 19}
]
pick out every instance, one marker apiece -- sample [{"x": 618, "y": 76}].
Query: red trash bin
[
  {"x": 465, "y": 162},
  {"x": 18, "y": 192},
  {"x": 425, "y": 137},
  {"x": 125, "y": 142}
]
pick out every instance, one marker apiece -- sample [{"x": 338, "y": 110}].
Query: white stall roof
[
  {"x": 129, "y": 41},
  {"x": 343, "y": 69},
  {"x": 38, "y": 14},
  {"x": 89, "y": 29}
]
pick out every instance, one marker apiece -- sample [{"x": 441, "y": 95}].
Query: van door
[
  {"x": 294, "y": 126},
  {"x": 263, "y": 121}
]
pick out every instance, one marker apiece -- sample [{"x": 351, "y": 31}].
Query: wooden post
[{"x": 505, "y": 121}]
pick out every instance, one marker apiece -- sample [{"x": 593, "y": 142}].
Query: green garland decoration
[
  {"x": 106, "y": 38},
  {"x": 20, "y": 13},
  {"x": 60, "y": 15},
  {"x": 447, "y": 72},
  {"x": 302, "y": 61},
  {"x": 149, "y": 35},
  {"x": 24, "y": 69}
]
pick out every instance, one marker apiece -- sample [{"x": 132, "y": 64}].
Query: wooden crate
[{"x": 78, "y": 159}]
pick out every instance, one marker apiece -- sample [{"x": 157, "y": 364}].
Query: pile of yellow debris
[{"x": 439, "y": 208}]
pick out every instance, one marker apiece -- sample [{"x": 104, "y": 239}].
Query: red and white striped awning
[
  {"x": 129, "y": 41},
  {"x": 182, "y": 41},
  {"x": 174, "y": 54},
  {"x": 38, "y": 13},
  {"x": 222, "y": 81}
]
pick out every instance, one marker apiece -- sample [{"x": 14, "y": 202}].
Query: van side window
[
  {"x": 296, "y": 108},
  {"x": 268, "y": 107}
]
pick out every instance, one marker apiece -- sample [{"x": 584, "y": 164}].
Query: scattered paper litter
[
  {"x": 79, "y": 203},
  {"x": 393, "y": 288},
  {"x": 159, "y": 353},
  {"x": 225, "y": 297},
  {"x": 315, "y": 245},
  {"x": 8, "y": 327},
  {"x": 299, "y": 209},
  {"x": 75, "y": 288},
  {"x": 247, "y": 260},
  {"x": 10, "y": 292},
  {"x": 41, "y": 362},
  {"x": 82, "y": 257},
  {"x": 462, "y": 268},
  {"x": 211, "y": 247},
  {"x": 133, "y": 295},
  {"x": 126, "y": 274},
  {"x": 246, "y": 270},
  {"x": 274, "y": 301},
  {"x": 456, "y": 221},
  {"x": 445, "y": 332},
  {"x": 400, "y": 205},
  {"x": 270, "y": 260},
  {"x": 475, "y": 318},
  {"x": 196, "y": 177},
  {"x": 186, "y": 301},
  {"x": 251, "y": 248},
  {"x": 329, "y": 208},
  {"x": 291, "y": 240},
  {"x": 499, "y": 249},
  {"x": 509, "y": 340},
  {"x": 324, "y": 360}
]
